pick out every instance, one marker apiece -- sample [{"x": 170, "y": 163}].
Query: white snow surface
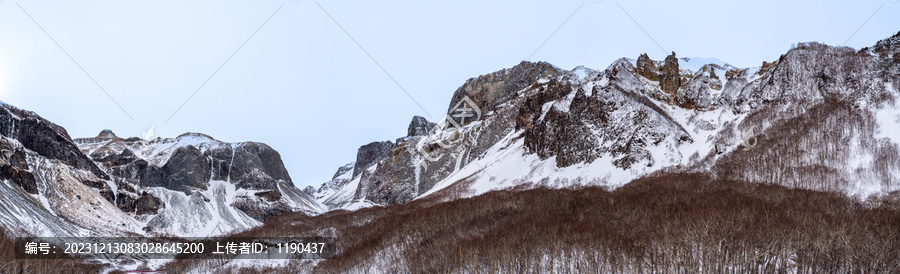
[
  {"x": 193, "y": 216},
  {"x": 693, "y": 64},
  {"x": 344, "y": 195},
  {"x": 156, "y": 152}
]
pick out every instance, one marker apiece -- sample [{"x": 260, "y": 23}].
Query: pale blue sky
[{"x": 304, "y": 87}]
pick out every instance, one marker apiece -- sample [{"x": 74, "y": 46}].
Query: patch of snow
[
  {"x": 888, "y": 119},
  {"x": 345, "y": 193},
  {"x": 694, "y": 64},
  {"x": 358, "y": 204}
]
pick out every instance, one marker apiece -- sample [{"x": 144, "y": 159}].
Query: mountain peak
[
  {"x": 106, "y": 133},
  {"x": 419, "y": 126},
  {"x": 196, "y": 136}
]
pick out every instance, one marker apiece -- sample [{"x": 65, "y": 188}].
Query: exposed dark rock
[
  {"x": 490, "y": 90},
  {"x": 127, "y": 156},
  {"x": 419, "y": 126},
  {"x": 22, "y": 178},
  {"x": 135, "y": 165},
  {"x": 260, "y": 210},
  {"x": 258, "y": 166},
  {"x": 370, "y": 154},
  {"x": 730, "y": 74},
  {"x": 221, "y": 157},
  {"x": 45, "y": 138},
  {"x": 14, "y": 167},
  {"x": 613, "y": 121},
  {"x": 531, "y": 110},
  {"x": 106, "y": 134},
  {"x": 395, "y": 180},
  {"x": 670, "y": 75},
  {"x": 104, "y": 189},
  {"x": 147, "y": 204},
  {"x": 395, "y": 183},
  {"x": 249, "y": 165},
  {"x": 647, "y": 68},
  {"x": 564, "y": 134},
  {"x": 765, "y": 67},
  {"x": 697, "y": 92},
  {"x": 123, "y": 186},
  {"x": 270, "y": 195},
  {"x": 144, "y": 204},
  {"x": 125, "y": 202},
  {"x": 186, "y": 170},
  {"x": 309, "y": 190}
]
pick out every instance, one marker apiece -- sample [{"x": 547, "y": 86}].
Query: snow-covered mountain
[
  {"x": 819, "y": 117},
  {"x": 192, "y": 185},
  {"x": 47, "y": 182}
]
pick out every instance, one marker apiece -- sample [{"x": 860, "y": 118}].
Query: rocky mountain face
[
  {"x": 340, "y": 178},
  {"x": 192, "y": 185},
  {"x": 419, "y": 126},
  {"x": 491, "y": 90},
  {"x": 370, "y": 154},
  {"x": 14, "y": 167},
  {"x": 48, "y": 186},
  {"x": 47, "y": 139},
  {"x": 244, "y": 183},
  {"x": 817, "y": 117}
]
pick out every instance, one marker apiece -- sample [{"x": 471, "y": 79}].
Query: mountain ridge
[
  {"x": 670, "y": 114},
  {"x": 106, "y": 185}
]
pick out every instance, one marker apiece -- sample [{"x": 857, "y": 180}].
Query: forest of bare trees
[
  {"x": 672, "y": 223},
  {"x": 815, "y": 148}
]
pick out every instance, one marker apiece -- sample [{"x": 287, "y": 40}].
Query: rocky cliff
[
  {"x": 542, "y": 125},
  {"x": 191, "y": 185},
  {"x": 247, "y": 176}
]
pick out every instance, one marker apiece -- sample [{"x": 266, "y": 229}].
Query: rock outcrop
[
  {"x": 633, "y": 118},
  {"x": 370, "y": 154},
  {"x": 697, "y": 92},
  {"x": 14, "y": 167},
  {"x": 191, "y": 164},
  {"x": 490, "y": 90},
  {"x": 647, "y": 68},
  {"x": 186, "y": 171},
  {"x": 257, "y": 166},
  {"x": 44, "y": 137},
  {"x": 419, "y": 126},
  {"x": 670, "y": 75}
]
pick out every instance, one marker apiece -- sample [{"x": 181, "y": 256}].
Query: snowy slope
[
  {"x": 201, "y": 214},
  {"x": 63, "y": 205},
  {"x": 738, "y": 123},
  {"x": 191, "y": 185},
  {"x": 214, "y": 205},
  {"x": 156, "y": 151}
]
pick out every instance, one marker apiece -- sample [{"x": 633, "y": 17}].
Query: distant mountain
[
  {"x": 192, "y": 185},
  {"x": 818, "y": 117},
  {"x": 674, "y": 165}
]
